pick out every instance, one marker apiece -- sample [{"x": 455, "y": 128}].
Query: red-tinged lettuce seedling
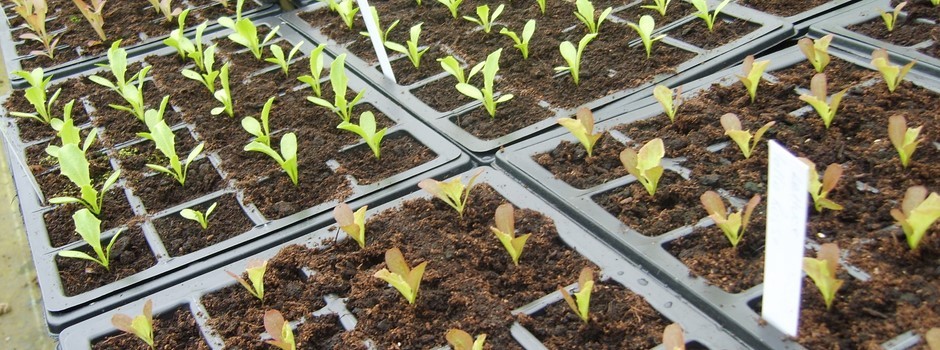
[
  {"x": 484, "y": 18},
  {"x": 486, "y": 94},
  {"x": 366, "y": 130},
  {"x": 353, "y": 223},
  {"x": 339, "y": 81},
  {"x": 460, "y": 340},
  {"x": 34, "y": 13},
  {"x": 670, "y": 105},
  {"x": 818, "y": 99},
  {"x": 572, "y": 57},
  {"x": 709, "y": 18},
  {"x": 580, "y": 302},
  {"x": 743, "y": 138},
  {"x": 405, "y": 279},
  {"x": 903, "y": 138},
  {"x": 585, "y": 13},
  {"x": 140, "y": 326},
  {"x": 522, "y": 44},
  {"x": 816, "y": 51},
  {"x": 255, "y": 270},
  {"x": 673, "y": 337},
  {"x": 287, "y": 159},
  {"x": 892, "y": 73},
  {"x": 452, "y": 192},
  {"x": 410, "y": 49},
  {"x": 93, "y": 11},
  {"x": 734, "y": 224},
  {"x": 36, "y": 95},
  {"x": 316, "y": 68},
  {"x": 752, "y": 74},
  {"x": 452, "y": 5},
  {"x": 583, "y": 129},
  {"x": 164, "y": 140},
  {"x": 659, "y": 6},
  {"x": 89, "y": 228},
  {"x": 822, "y": 270},
  {"x": 819, "y": 190},
  {"x": 505, "y": 231},
  {"x": 891, "y": 18},
  {"x": 918, "y": 212},
  {"x": 282, "y": 336},
  {"x": 278, "y": 56},
  {"x": 646, "y": 166},
  {"x": 260, "y": 129},
  {"x": 645, "y": 29},
  {"x": 198, "y": 216}
]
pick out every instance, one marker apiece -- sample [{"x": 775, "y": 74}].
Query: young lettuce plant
[
  {"x": 316, "y": 68},
  {"x": 484, "y": 18},
  {"x": 822, "y": 270},
  {"x": 260, "y": 128},
  {"x": 282, "y": 336},
  {"x": 164, "y": 140},
  {"x": 752, "y": 75},
  {"x": 670, "y": 105},
  {"x": 816, "y": 51},
  {"x": 460, "y": 340},
  {"x": 36, "y": 95},
  {"x": 279, "y": 59},
  {"x": 255, "y": 270},
  {"x": 383, "y": 34},
  {"x": 287, "y": 159},
  {"x": 819, "y": 190},
  {"x": 541, "y": 4},
  {"x": 339, "y": 81},
  {"x": 583, "y": 129},
  {"x": 487, "y": 93},
  {"x": 673, "y": 337},
  {"x": 903, "y": 138},
  {"x": 892, "y": 74},
  {"x": 208, "y": 78},
  {"x": 645, "y": 29},
  {"x": 165, "y": 8},
  {"x": 522, "y": 44},
  {"x": 198, "y": 55},
  {"x": 659, "y": 5},
  {"x": 573, "y": 56},
  {"x": 198, "y": 216},
  {"x": 452, "y": 192},
  {"x": 347, "y": 9},
  {"x": 646, "y": 166},
  {"x": 93, "y": 11},
  {"x": 366, "y": 130},
  {"x": 918, "y": 212},
  {"x": 224, "y": 95},
  {"x": 743, "y": 138},
  {"x": 178, "y": 40},
  {"x": 734, "y": 224},
  {"x": 117, "y": 64},
  {"x": 405, "y": 279},
  {"x": 585, "y": 13},
  {"x": 34, "y": 13},
  {"x": 709, "y": 18},
  {"x": 246, "y": 34},
  {"x": 581, "y": 301},
  {"x": 140, "y": 326},
  {"x": 818, "y": 99},
  {"x": 411, "y": 51},
  {"x": 134, "y": 95},
  {"x": 450, "y": 65},
  {"x": 891, "y": 18},
  {"x": 89, "y": 228},
  {"x": 505, "y": 231},
  {"x": 353, "y": 223},
  {"x": 452, "y": 5}
]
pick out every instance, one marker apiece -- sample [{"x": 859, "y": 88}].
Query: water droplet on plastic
[
  {"x": 643, "y": 282},
  {"x": 619, "y": 273},
  {"x": 668, "y": 304}
]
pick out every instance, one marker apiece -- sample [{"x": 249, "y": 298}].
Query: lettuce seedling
[
  {"x": 673, "y": 337},
  {"x": 282, "y": 336},
  {"x": 583, "y": 129},
  {"x": 36, "y": 95},
  {"x": 645, "y": 30},
  {"x": 703, "y": 13},
  {"x": 452, "y": 192},
  {"x": 316, "y": 68},
  {"x": 279, "y": 58},
  {"x": 245, "y": 33},
  {"x": 505, "y": 231},
  {"x": 452, "y": 5},
  {"x": 383, "y": 34},
  {"x": 198, "y": 55},
  {"x": 224, "y": 95},
  {"x": 89, "y": 228},
  {"x": 141, "y": 325},
  {"x": 541, "y": 4},
  {"x": 198, "y": 216},
  {"x": 646, "y": 166},
  {"x": 178, "y": 40},
  {"x": 573, "y": 57},
  {"x": 522, "y": 44},
  {"x": 134, "y": 95},
  {"x": 670, "y": 105},
  {"x": 339, "y": 81},
  {"x": 585, "y": 14},
  {"x": 752, "y": 75},
  {"x": 818, "y": 99},
  {"x": 892, "y": 74},
  {"x": 918, "y": 212},
  {"x": 816, "y": 52},
  {"x": 260, "y": 128},
  {"x": 734, "y": 224},
  {"x": 347, "y": 9},
  {"x": 452, "y": 66},
  {"x": 743, "y": 138},
  {"x": 487, "y": 93},
  {"x": 660, "y": 6},
  {"x": 405, "y": 279},
  {"x": 819, "y": 190},
  {"x": 255, "y": 270},
  {"x": 822, "y": 270},
  {"x": 207, "y": 59},
  {"x": 165, "y": 8},
  {"x": 330, "y": 4},
  {"x": 353, "y": 223},
  {"x": 891, "y": 18},
  {"x": 411, "y": 51},
  {"x": 460, "y": 340},
  {"x": 903, "y": 138},
  {"x": 484, "y": 18},
  {"x": 34, "y": 13},
  {"x": 366, "y": 130},
  {"x": 164, "y": 140},
  {"x": 581, "y": 301},
  {"x": 287, "y": 159},
  {"x": 117, "y": 63},
  {"x": 94, "y": 14}
]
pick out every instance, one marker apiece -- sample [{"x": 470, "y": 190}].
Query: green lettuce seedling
[
  {"x": 734, "y": 224},
  {"x": 505, "y": 231},
  {"x": 198, "y": 216},
  {"x": 583, "y": 129},
  {"x": 260, "y": 128},
  {"x": 198, "y": 55},
  {"x": 573, "y": 57},
  {"x": 36, "y": 95},
  {"x": 743, "y": 138},
  {"x": 452, "y": 5},
  {"x": 405, "y": 279},
  {"x": 282, "y": 336},
  {"x": 646, "y": 166},
  {"x": 585, "y": 13},
  {"x": 89, "y": 228},
  {"x": 660, "y": 6},
  {"x": 819, "y": 190},
  {"x": 411, "y": 51},
  {"x": 207, "y": 59},
  {"x": 673, "y": 338},
  {"x": 94, "y": 14},
  {"x": 892, "y": 74},
  {"x": 670, "y": 105},
  {"x": 347, "y": 9},
  {"x": 452, "y": 192},
  {"x": 581, "y": 301},
  {"x": 330, "y": 4},
  {"x": 366, "y": 130},
  {"x": 484, "y": 18},
  {"x": 818, "y": 99},
  {"x": 134, "y": 95},
  {"x": 316, "y": 68},
  {"x": 541, "y": 4},
  {"x": 709, "y": 18},
  {"x": 353, "y": 223},
  {"x": 918, "y": 212},
  {"x": 460, "y": 340},
  {"x": 224, "y": 95},
  {"x": 140, "y": 326},
  {"x": 383, "y": 34},
  {"x": 178, "y": 40},
  {"x": 645, "y": 30},
  {"x": 34, "y": 13},
  {"x": 903, "y": 138},
  {"x": 165, "y": 8},
  {"x": 816, "y": 51},
  {"x": 279, "y": 58},
  {"x": 255, "y": 270},
  {"x": 487, "y": 94},
  {"x": 752, "y": 75},
  {"x": 339, "y": 81},
  {"x": 522, "y": 44},
  {"x": 117, "y": 63},
  {"x": 245, "y": 33},
  {"x": 164, "y": 139},
  {"x": 452, "y": 66},
  {"x": 891, "y": 18},
  {"x": 287, "y": 159},
  {"x": 822, "y": 270}
]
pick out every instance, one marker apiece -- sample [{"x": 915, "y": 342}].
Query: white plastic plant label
[
  {"x": 375, "y": 37},
  {"x": 788, "y": 185}
]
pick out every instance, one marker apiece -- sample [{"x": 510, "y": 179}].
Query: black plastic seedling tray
[
  {"x": 63, "y": 310},
  {"x": 698, "y": 328},
  {"x": 771, "y": 31},
  {"x": 803, "y": 20},
  {"x": 733, "y": 311}
]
